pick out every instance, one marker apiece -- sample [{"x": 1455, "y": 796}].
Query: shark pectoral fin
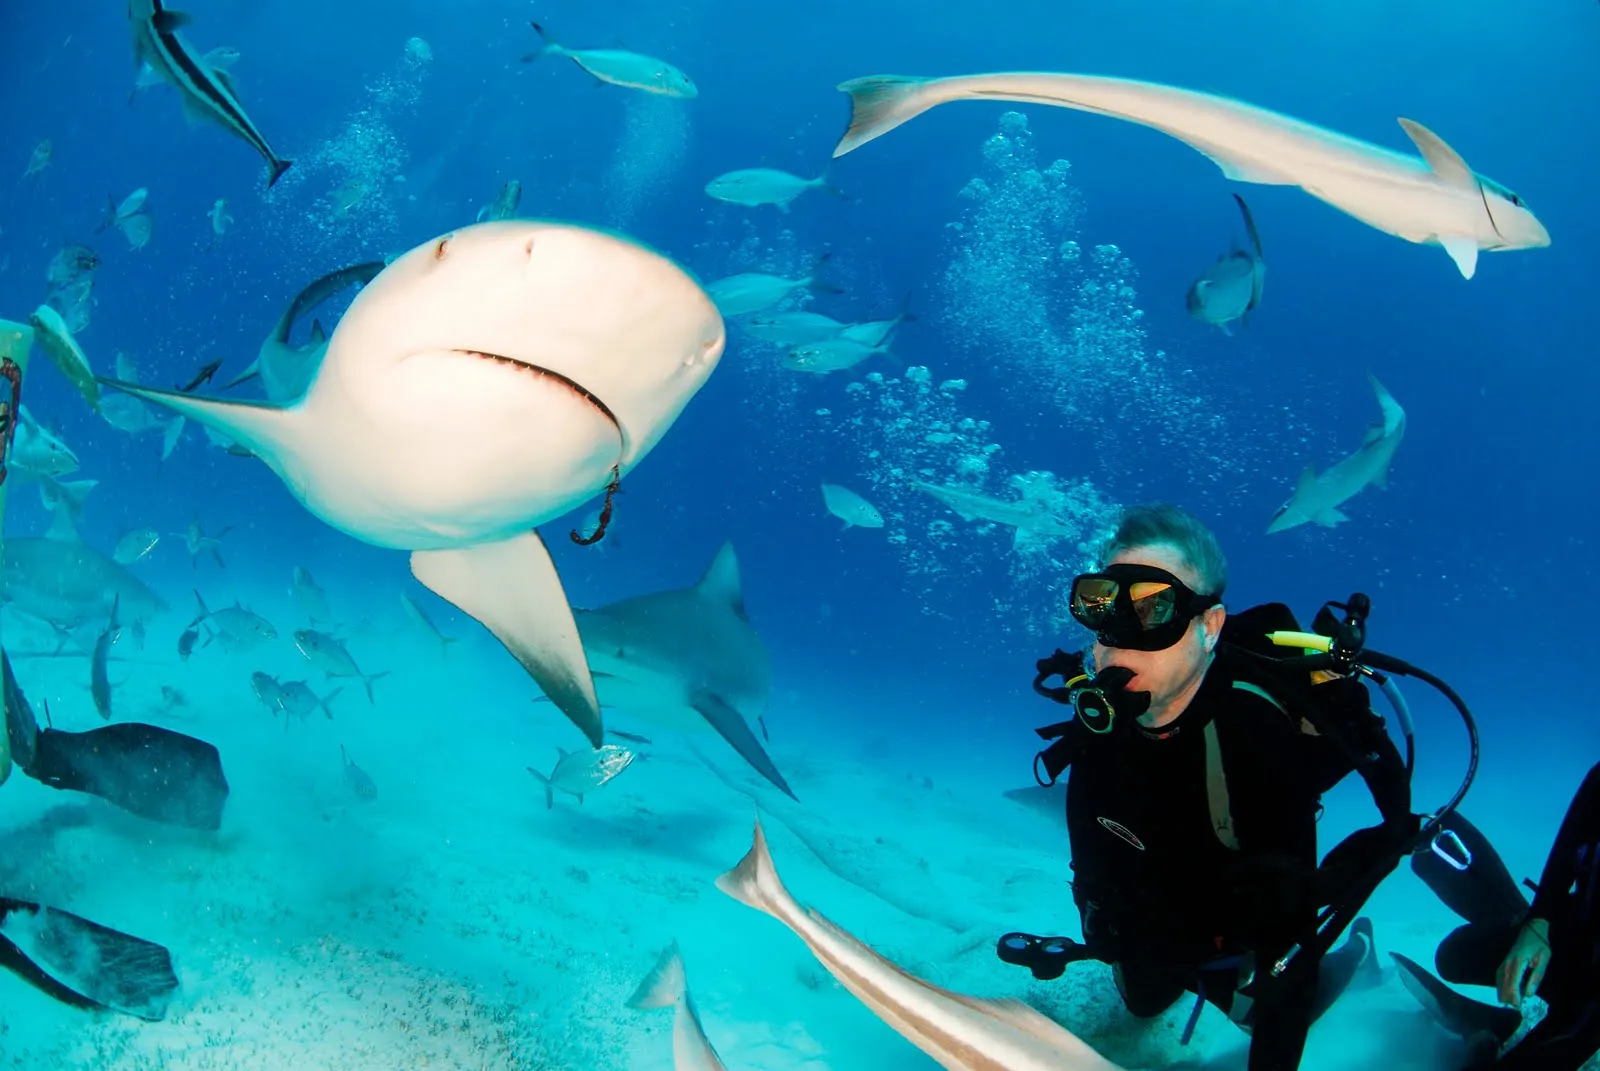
[
  {"x": 730, "y": 724},
  {"x": 512, "y": 588},
  {"x": 1373, "y": 434},
  {"x": 1380, "y": 479},
  {"x": 1445, "y": 161},
  {"x": 1464, "y": 251},
  {"x": 1330, "y": 517},
  {"x": 269, "y": 432}
]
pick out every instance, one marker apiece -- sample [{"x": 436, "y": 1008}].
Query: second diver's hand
[{"x": 1524, "y": 966}]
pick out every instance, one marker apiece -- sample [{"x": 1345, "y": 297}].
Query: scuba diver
[
  {"x": 1550, "y": 948},
  {"x": 1197, "y": 762},
  {"x": 144, "y": 769}
]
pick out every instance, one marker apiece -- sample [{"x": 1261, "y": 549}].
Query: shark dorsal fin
[
  {"x": 1374, "y": 434},
  {"x": 1307, "y": 478},
  {"x": 318, "y": 332},
  {"x": 720, "y": 583},
  {"x": 1445, "y": 161}
]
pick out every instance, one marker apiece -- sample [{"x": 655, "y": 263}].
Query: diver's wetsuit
[
  {"x": 1568, "y": 897},
  {"x": 1161, "y": 896}
]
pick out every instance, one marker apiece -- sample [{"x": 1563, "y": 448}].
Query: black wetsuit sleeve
[{"x": 1580, "y": 827}]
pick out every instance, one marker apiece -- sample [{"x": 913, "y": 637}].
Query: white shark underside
[
  {"x": 485, "y": 383},
  {"x": 1435, "y": 200}
]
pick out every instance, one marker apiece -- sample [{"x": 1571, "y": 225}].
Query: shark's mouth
[{"x": 599, "y": 405}]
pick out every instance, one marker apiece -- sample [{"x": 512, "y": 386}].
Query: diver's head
[{"x": 1156, "y": 604}]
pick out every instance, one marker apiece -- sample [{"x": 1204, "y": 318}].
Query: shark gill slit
[{"x": 593, "y": 399}]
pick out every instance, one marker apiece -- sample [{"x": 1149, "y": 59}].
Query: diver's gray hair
[{"x": 1161, "y": 525}]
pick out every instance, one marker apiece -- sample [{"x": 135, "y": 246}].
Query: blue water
[{"x": 902, "y": 656}]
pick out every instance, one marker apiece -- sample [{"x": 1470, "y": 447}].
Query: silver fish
[
  {"x": 298, "y": 699},
  {"x": 578, "y": 773},
  {"x": 416, "y": 614},
  {"x": 330, "y": 656},
  {"x": 756, "y": 186},
  {"x": 196, "y": 542},
  {"x": 360, "y": 782},
  {"x": 235, "y": 626},
  {"x": 503, "y": 206},
  {"x": 40, "y": 159},
  {"x": 792, "y": 328},
  {"x": 829, "y": 355},
  {"x": 38, "y": 451},
  {"x": 620, "y": 67},
  {"x": 135, "y": 545},
  {"x": 312, "y": 599},
  {"x": 268, "y": 690},
  {"x": 749, "y": 292}
]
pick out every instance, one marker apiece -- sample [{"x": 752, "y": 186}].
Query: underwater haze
[{"x": 405, "y": 874}]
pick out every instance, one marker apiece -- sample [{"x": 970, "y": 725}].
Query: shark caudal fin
[
  {"x": 879, "y": 103},
  {"x": 513, "y": 589}
]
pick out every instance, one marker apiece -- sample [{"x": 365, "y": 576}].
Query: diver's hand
[{"x": 1525, "y": 964}]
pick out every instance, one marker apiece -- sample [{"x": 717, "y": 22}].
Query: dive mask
[{"x": 1136, "y": 607}]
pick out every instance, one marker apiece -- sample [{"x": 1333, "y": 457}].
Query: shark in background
[
  {"x": 686, "y": 659},
  {"x": 1032, "y": 521},
  {"x": 1317, "y": 498},
  {"x": 1230, "y": 289}
]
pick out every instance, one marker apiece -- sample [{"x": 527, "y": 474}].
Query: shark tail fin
[
  {"x": 549, "y": 790},
  {"x": 755, "y": 882},
  {"x": 880, "y": 103},
  {"x": 665, "y": 985}
]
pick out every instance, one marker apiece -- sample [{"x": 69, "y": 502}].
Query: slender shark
[
  {"x": 1317, "y": 498},
  {"x": 686, "y": 659},
  {"x": 1031, "y": 520},
  {"x": 1230, "y": 289},
  {"x": 286, "y": 371},
  {"x": 1432, "y": 200},
  {"x": 959, "y": 1032},
  {"x": 486, "y": 382}
]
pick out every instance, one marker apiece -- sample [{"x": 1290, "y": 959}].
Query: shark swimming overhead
[
  {"x": 1434, "y": 199},
  {"x": 485, "y": 383},
  {"x": 1317, "y": 498},
  {"x": 686, "y": 659}
]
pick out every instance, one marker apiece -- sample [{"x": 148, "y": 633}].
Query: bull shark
[
  {"x": 1031, "y": 520},
  {"x": 686, "y": 659},
  {"x": 1434, "y": 199},
  {"x": 1317, "y": 498},
  {"x": 959, "y": 1032},
  {"x": 286, "y": 371},
  {"x": 1230, "y": 289},
  {"x": 486, "y": 382}
]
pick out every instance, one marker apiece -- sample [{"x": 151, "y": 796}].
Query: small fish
[
  {"x": 172, "y": 699},
  {"x": 99, "y": 680},
  {"x": 755, "y": 291},
  {"x": 829, "y": 355},
  {"x": 220, "y": 219},
  {"x": 186, "y": 643},
  {"x": 580, "y": 772},
  {"x": 312, "y": 599},
  {"x": 503, "y": 206},
  {"x": 56, "y": 339},
  {"x": 758, "y": 186},
  {"x": 792, "y": 328},
  {"x": 349, "y": 195},
  {"x": 416, "y": 614},
  {"x": 40, "y": 158},
  {"x": 360, "y": 782},
  {"x": 666, "y": 986},
  {"x": 620, "y": 67},
  {"x": 116, "y": 213},
  {"x": 135, "y": 545},
  {"x": 196, "y": 542},
  {"x": 851, "y": 508},
  {"x": 137, "y": 229},
  {"x": 71, "y": 264},
  {"x": 206, "y": 91},
  {"x": 302, "y": 702},
  {"x": 877, "y": 332},
  {"x": 1230, "y": 289},
  {"x": 330, "y": 656},
  {"x": 632, "y": 737},
  {"x": 38, "y": 451},
  {"x": 201, "y": 377},
  {"x": 235, "y": 626},
  {"x": 268, "y": 690}
]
